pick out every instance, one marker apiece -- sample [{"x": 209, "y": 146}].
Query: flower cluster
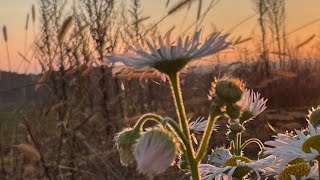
[{"x": 155, "y": 149}]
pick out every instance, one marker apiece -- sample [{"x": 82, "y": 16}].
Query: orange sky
[{"x": 224, "y": 16}]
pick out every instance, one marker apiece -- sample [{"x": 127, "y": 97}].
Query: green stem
[
  {"x": 206, "y": 137},
  {"x": 145, "y": 118},
  {"x": 183, "y": 138},
  {"x": 318, "y": 159},
  {"x": 179, "y": 133},
  {"x": 180, "y": 110},
  {"x": 238, "y": 149},
  {"x": 178, "y": 101},
  {"x": 252, "y": 140}
]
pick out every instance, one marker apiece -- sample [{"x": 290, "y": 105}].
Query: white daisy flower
[
  {"x": 200, "y": 124},
  {"x": 219, "y": 156},
  {"x": 305, "y": 145},
  {"x": 252, "y": 102},
  {"x": 234, "y": 167},
  {"x": 297, "y": 171},
  {"x": 166, "y": 57},
  {"x": 155, "y": 152}
]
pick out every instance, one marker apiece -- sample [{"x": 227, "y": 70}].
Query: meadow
[{"x": 62, "y": 123}]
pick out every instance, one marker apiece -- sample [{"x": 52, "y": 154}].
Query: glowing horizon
[{"x": 224, "y": 16}]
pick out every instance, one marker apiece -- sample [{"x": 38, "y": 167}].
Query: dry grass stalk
[
  {"x": 27, "y": 22},
  {"x": 5, "y": 34},
  {"x": 178, "y": 6},
  {"x": 66, "y": 26},
  {"x": 33, "y": 13},
  {"x": 305, "y": 42}
]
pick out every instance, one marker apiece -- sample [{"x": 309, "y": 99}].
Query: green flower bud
[
  {"x": 231, "y": 135},
  {"x": 124, "y": 143},
  {"x": 236, "y": 127},
  {"x": 233, "y": 111},
  {"x": 229, "y": 91},
  {"x": 219, "y": 102},
  {"x": 314, "y": 117}
]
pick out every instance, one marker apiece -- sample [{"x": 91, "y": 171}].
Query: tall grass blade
[{"x": 65, "y": 28}]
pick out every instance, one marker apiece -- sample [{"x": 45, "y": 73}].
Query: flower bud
[
  {"x": 219, "y": 102},
  {"x": 314, "y": 117},
  {"x": 155, "y": 152},
  {"x": 124, "y": 144},
  {"x": 236, "y": 127},
  {"x": 229, "y": 91},
  {"x": 231, "y": 135},
  {"x": 233, "y": 111}
]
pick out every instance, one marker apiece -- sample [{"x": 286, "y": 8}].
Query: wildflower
[
  {"x": 314, "y": 116},
  {"x": 219, "y": 156},
  {"x": 286, "y": 147},
  {"x": 199, "y": 125},
  {"x": 124, "y": 142},
  {"x": 297, "y": 171},
  {"x": 155, "y": 152},
  {"x": 168, "y": 58},
  {"x": 251, "y": 104},
  {"x": 228, "y": 166}
]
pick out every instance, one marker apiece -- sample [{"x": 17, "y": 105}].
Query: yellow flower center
[
  {"x": 296, "y": 161},
  {"x": 240, "y": 172},
  {"x": 298, "y": 170},
  {"x": 312, "y": 142}
]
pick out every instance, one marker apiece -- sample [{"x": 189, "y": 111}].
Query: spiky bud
[
  {"x": 124, "y": 144},
  {"x": 314, "y": 117},
  {"x": 228, "y": 91},
  {"x": 236, "y": 127},
  {"x": 233, "y": 111}
]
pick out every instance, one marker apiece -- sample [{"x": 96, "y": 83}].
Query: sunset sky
[{"x": 224, "y": 16}]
